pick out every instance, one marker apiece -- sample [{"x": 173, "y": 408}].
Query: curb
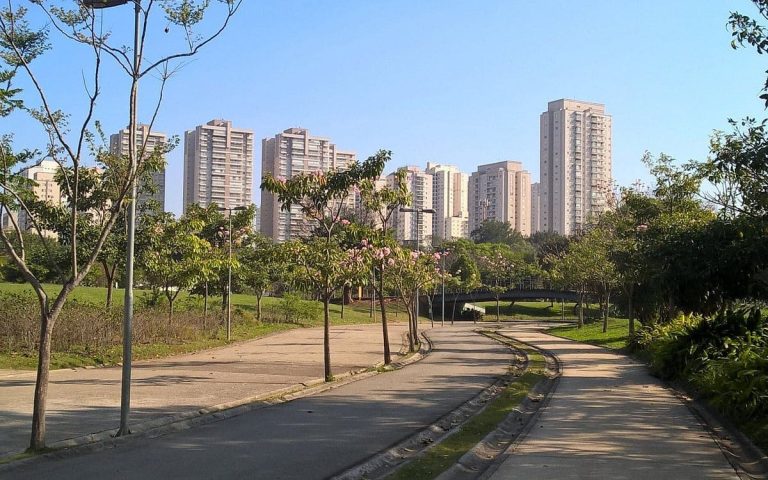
[{"x": 185, "y": 420}]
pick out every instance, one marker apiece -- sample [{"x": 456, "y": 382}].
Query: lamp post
[
  {"x": 418, "y": 211},
  {"x": 229, "y": 271},
  {"x": 443, "y": 253},
  {"x": 125, "y": 387}
]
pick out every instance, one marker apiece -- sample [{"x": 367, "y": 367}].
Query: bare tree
[{"x": 68, "y": 144}]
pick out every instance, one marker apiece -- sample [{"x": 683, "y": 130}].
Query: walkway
[
  {"x": 83, "y": 401},
  {"x": 309, "y": 438},
  {"x": 609, "y": 418}
]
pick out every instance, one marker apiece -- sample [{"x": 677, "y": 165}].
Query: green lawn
[
  {"x": 616, "y": 338},
  {"x": 531, "y": 311},
  {"x": 243, "y": 305}
]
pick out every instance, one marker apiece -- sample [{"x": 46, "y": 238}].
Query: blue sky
[{"x": 456, "y": 82}]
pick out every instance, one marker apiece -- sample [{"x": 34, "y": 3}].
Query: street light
[
  {"x": 125, "y": 387},
  {"x": 229, "y": 272},
  {"x": 419, "y": 211}
]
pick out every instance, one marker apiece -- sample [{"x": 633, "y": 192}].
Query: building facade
[
  {"x": 45, "y": 188},
  {"x": 575, "y": 157},
  {"x": 292, "y": 152},
  {"x": 535, "y": 207},
  {"x": 150, "y": 143},
  {"x": 449, "y": 200},
  {"x": 414, "y": 228},
  {"x": 218, "y": 165},
  {"x": 500, "y": 191}
]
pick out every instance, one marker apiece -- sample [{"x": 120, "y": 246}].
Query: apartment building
[
  {"x": 415, "y": 227},
  {"x": 575, "y": 157},
  {"x": 449, "y": 200},
  {"x": 147, "y": 144},
  {"x": 45, "y": 188},
  {"x": 218, "y": 165},
  {"x": 500, "y": 191},
  {"x": 292, "y": 152},
  {"x": 535, "y": 207}
]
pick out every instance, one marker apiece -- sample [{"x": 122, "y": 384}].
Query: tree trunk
[
  {"x": 385, "y": 331},
  {"x": 497, "y": 310},
  {"x": 327, "y": 338},
  {"x": 605, "y": 312},
  {"x": 581, "y": 309},
  {"x": 109, "y": 273},
  {"x": 411, "y": 345},
  {"x": 37, "y": 441},
  {"x": 205, "y": 300},
  {"x": 347, "y": 295},
  {"x": 259, "y": 294},
  {"x": 631, "y": 312}
]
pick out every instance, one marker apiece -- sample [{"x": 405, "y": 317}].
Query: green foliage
[
  {"x": 746, "y": 30},
  {"x": 293, "y": 309}
]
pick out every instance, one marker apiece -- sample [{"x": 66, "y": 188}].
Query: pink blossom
[
  {"x": 364, "y": 242},
  {"x": 391, "y": 262},
  {"x": 415, "y": 255},
  {"x": 436, "y": 256},
  {"x": 345, "y": 222}
]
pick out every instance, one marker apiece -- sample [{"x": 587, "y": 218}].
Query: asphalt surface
[
  {"x": 87, "y": 400},
  {"x": 609, "y": 418},
  {"x": 313, "y": 437}
]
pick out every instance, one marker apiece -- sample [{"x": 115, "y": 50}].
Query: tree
[
  {"x": 20, "y": 45},
  {"x": 175, "y": 257},
  {"x": 380, "y": 204},
  {"x": 494, "y": 231},
  {"x": 746, "y": 30},
  {"x": 412, "y": 271},
  {"x": 264, "y": 264},
  {"x": 321, "y": 198}
]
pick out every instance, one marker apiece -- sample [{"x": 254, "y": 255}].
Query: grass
[
  {"x": 616, "y": 338},
  {"x": 356, "y": 313},
  {"x": 532, "y": 311},
  {"x": 442, "y": 456}
]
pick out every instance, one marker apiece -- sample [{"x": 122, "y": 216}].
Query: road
[{"x": 313, "y": 437}]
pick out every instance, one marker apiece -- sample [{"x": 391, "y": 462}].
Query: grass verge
[
  {"x": 442, "y": 456},
  {"x": 615, "y": 338}
]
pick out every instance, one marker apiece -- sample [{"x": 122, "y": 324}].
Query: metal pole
[
  {"x": 229, "y": 280},
  {"x": 125, "y": 386},
  {"x": 418, "y": 249},
  {"x": 442, "y": 309}
]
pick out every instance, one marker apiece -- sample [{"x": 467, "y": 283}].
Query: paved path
[
  {"x": 609, "y": 418},
  {"x": 313, "y": 437},
  {"x": 83, "y": 401}
]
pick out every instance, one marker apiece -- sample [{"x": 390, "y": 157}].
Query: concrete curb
[
  {"x": 185, "y": 420},
  {"x": 474, "y": 462}
]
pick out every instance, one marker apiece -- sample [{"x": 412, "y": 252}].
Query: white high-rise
[
  {"x": 292, "y": 152},
  {"x": 119, "y": 143},
  {"x": 218, "y": 165},
  {"x": 45, "y": 188},
  {"x": 575, "y": 164},
  {"x": 449, "y": 200},
  {"x": 414, "y": 228},
  {"x": 535, "y": 207},
  {"x": 500, "y": 191}
]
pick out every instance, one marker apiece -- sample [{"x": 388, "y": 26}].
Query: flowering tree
[
  {"x": 412, "y": 271},
  {"x": 322, "y": 198},
  {"x": 380, "y": 204}
]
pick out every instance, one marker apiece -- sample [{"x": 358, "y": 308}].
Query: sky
[{"x": 452, "y": 82}]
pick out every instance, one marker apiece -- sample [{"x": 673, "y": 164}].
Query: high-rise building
[
  {"x": 150, "y": 142},
  {"x": 293, "y": 152},
  {"x": 500, "y": 191},
  {"x": 415, "y": 227},
  {"x": 218, "y": 165},
  {"x": 45, "y": 188},
  {"x": 449, "y": 200},
  {"x": 535, "y": 207},
  {"x": 575, "y": 164}
]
